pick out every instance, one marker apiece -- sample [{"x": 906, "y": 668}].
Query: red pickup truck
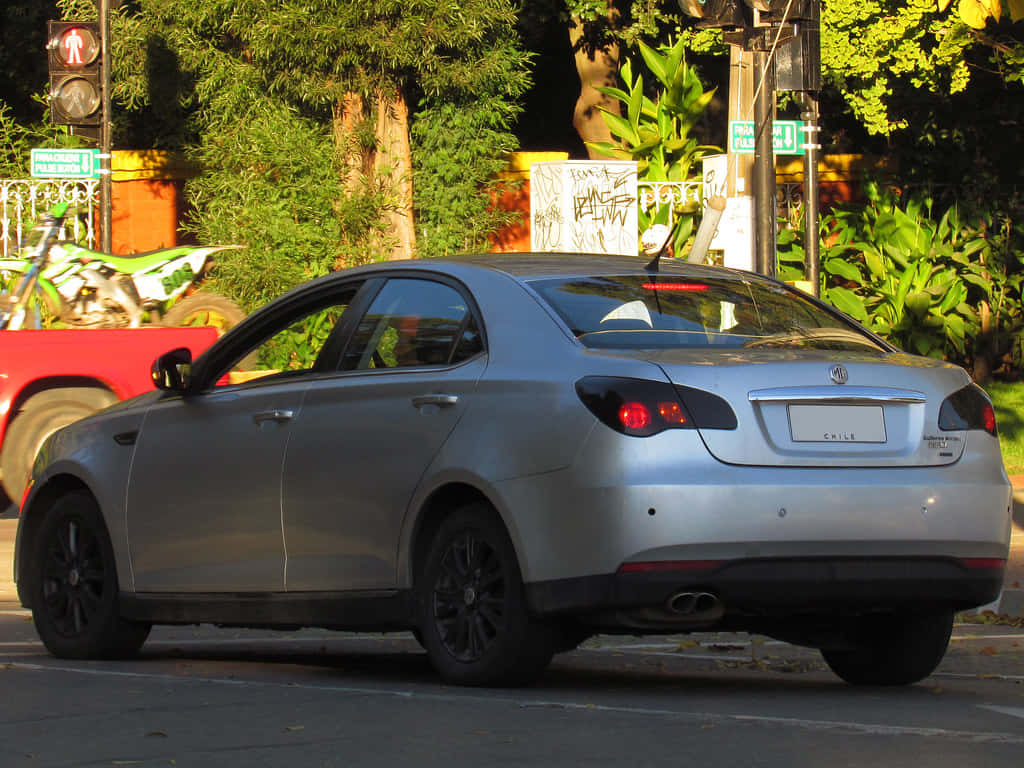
[{"x": 49, "y": 379}]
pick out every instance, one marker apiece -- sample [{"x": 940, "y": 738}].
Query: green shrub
[{"x": 945, "y": 286}]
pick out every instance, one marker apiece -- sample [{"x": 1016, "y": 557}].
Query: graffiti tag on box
[{"x": 584, "y": 207}]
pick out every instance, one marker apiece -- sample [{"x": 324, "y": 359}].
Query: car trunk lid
[{"x": 821, "y": 408}]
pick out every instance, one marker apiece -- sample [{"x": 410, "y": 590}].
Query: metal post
[
  {"x": 739, "y": 214},
  {"x": 765, "y": 207},
  {"x": 812, "y": 238},
  {"x": 106, "y": 203}
]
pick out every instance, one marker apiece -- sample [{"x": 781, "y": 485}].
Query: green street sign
[
  {"x": 787, "y": 138},
  {"x": 65, "y": 163}
]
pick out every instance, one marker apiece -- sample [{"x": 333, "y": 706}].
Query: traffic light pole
[
  {"x": 765, "y": 207},
  {"x": 106, "y": 188}
]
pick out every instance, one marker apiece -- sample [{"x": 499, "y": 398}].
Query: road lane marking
[
  {"x": 850, "y": 727},
  {"x": 1012, "y": 711}
]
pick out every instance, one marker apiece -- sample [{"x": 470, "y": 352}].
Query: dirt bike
[{"x": 84, "y": 288}]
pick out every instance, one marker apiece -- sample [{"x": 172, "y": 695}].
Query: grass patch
[{"x": 1008, "y": 399}]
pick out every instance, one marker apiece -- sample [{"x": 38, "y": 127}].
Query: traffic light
[
  {"x": 75, "y": 62},
  {"x": 725, "y": 14}
]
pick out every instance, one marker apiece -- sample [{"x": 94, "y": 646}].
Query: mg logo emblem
[{"x": 839, "y": 374}]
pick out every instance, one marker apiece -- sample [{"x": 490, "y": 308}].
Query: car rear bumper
[
  {"x": 765, "y": 588},
  {"x": 665, "y": 499}
]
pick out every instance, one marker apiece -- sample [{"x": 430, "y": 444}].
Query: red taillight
[
  {"x": 671, "y": 412},
  {"x": 989, "y": 418},
  {"x": 635, "y": 416},
  {"x": 968, "y": 408},
  {"x": 641, "y": 407}
]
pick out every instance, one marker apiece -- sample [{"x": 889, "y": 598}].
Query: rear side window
[
  {"x": 412, "y": 323},
  {"x": 665, "y": 311}
]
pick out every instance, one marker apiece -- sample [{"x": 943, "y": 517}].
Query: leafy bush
[{"x": 945, "y": 286}]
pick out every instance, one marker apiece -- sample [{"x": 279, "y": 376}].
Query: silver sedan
[{"x": 507, "y": 454}]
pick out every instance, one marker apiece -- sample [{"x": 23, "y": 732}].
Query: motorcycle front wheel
[{"x": 204, "y": 309}]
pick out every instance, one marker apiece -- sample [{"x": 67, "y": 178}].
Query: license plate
[{"x": 837, "y": 423}]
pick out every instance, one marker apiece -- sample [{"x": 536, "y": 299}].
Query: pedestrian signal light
[{"x": 75, "y": 62}]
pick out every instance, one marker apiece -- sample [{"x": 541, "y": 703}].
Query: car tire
[
  {"x": 571, "y": 636},
  {"x": 473, "y": 618},
  {"x": 893, "y": 649},
  {"x": 39, "y": 417},
  {"x": 74, "y": 587}
]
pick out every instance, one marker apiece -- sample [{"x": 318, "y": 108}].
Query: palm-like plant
[{"x": 656, "y": 133}]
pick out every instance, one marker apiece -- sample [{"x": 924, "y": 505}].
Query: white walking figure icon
[{"x": 73, "y": 42}]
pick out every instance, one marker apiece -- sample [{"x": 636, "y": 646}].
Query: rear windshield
[{"x": 665, "y": 311}]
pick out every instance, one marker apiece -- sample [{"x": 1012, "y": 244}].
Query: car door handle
[
  {"x": 442, "y": 401},
  {"x": 278, "y": 416}
]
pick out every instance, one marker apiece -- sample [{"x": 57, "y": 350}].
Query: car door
[
  {"x": 204, "y": 496},
  {"x": 368, "y": 433}
]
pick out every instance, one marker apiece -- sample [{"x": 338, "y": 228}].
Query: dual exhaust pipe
[{"x": 695, "y": 605}]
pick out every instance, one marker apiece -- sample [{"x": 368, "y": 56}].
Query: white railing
[
  {"x": 22, "y": 200},
  {"x": 653, "y": 195}
]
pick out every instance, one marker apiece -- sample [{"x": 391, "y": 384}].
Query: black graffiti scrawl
[{"x": 585, "y": 207}]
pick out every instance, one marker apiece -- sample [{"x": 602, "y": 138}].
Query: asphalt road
[
  {"x": 201, "y": 696},
  {"x": 207, "y": 697}
]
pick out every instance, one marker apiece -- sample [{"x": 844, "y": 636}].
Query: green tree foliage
[
  {"x": 874, "y": 51},
  {"x": 257, "y": 86},
  {"x": 254, "y": 92}
]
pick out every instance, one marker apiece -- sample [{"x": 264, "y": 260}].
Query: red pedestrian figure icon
[{"x": 73, "y": 42}]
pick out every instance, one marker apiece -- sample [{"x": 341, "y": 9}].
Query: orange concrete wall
[
  {"x": 514, "y": 197},
  {"x": 147, "y": 197}
]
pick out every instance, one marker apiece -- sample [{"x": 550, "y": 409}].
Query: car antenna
[{"x": 653, "y": 236}]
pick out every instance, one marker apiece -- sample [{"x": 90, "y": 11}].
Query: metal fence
[
  {"x": 22, "y": 200},
  {"x": 653, "y": 195}
]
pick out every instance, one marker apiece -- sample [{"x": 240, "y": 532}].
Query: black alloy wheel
[
  {"x": 74, "y": 587},
  {"x": 74, "y": 577},
  {"x": 473, "y": 617},
  {"x": 469, "y": 597}
]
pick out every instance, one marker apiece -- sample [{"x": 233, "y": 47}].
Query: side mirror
[{"x": 173, "y": 370}]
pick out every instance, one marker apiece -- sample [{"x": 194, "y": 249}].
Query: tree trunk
[
  {"x": 384, "y": 168},
  {"x": 393, "y": 161},
  {"x": 355, "y": 159},
  {"x": 596, "y": 67}
]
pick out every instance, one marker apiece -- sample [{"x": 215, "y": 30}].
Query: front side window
[
  {"x": 292, "y": 345},
  {"x": 411, "y": 323},
  {"x": 664, "y": 311}
]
